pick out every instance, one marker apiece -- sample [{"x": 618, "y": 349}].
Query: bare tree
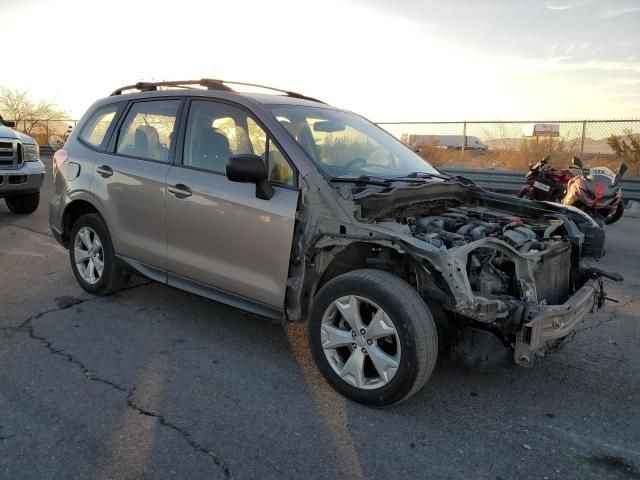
[
  {"x": 30, "y": 115},
  {"x": 627, "y": 148}
]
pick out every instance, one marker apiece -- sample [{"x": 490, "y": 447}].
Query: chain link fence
[
  {"x": 513, "y": 145},
  {"x": 500, "y": 145},
  {"x": 47, "y": 132}
]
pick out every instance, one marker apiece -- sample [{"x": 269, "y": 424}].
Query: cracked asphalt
[{"x": 155, "y": 383}]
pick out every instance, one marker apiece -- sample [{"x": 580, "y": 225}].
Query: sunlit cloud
[
  {"x": 566, "y": 6},
  {"x": 566, "y": 64},
  {"x": 403, "y": 60},
  {"x": 621, "y": 11}
]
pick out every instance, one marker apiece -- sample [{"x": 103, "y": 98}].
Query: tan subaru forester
[{"x": 284, "y": 206}]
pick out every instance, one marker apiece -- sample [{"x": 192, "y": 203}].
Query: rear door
[
  {"x": 130, "y": 180},
  {"x": 219, "y": 235}
]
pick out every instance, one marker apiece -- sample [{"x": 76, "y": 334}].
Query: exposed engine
[
  {"x": 455, "y": 227},
  {"x": 491, "y": 271}
]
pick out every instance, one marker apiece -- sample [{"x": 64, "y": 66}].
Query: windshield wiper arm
[
  {"x": 363, "y": 179},
  {"x": 427, "y": 175}
]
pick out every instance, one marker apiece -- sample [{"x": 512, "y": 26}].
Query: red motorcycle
[{"x": 595, "y": 190}]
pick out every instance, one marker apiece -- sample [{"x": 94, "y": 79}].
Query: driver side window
[{"x": 216, "y": 131}]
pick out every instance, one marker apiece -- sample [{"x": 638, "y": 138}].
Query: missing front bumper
[{"x": 555, "y": 322}]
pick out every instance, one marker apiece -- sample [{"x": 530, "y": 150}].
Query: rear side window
[
  {"x": 148, "y": 130},
  {"x": 95, "y": 131}
]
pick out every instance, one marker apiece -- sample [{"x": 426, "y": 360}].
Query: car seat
[{"x": 211, "y": 150}]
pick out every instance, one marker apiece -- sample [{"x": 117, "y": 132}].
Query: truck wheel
[
  {"x": 372, "y": 337},
  {"x": 616, "y": 215},
  {"x": 23, "y": 204},
  {"x": 93, "y": 260}
]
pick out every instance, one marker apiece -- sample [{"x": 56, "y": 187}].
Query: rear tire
[
  {"x": 396, "y": 355},
  {"x": 526, "y": 194},
  {"x": 617, "y": 215},
  {"x": 23, "y": 204},
  {"x": 93, "y": 260}
]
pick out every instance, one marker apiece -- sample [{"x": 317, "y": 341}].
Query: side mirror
[
  {"x": 621, "y": 172},
  {"x": 8, "y": 123},
  {"x": 248, "y": 168},
  {"x": 577, "y": 162}
]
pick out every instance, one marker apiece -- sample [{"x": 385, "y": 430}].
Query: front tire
[
  {"x": 93, "y": 260},
  {"x": 23, "y": 204},
  {"x": 617, "y": 215},
  {"x": 372, "y": 337}
]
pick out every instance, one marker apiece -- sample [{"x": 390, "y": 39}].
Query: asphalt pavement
[{"x": 155, "y": 383}]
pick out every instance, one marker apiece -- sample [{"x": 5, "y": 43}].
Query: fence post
[
  {"x": 584, "y": 131},
  {"x": 464, "y": 141}
]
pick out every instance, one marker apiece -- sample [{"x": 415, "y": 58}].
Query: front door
[{"x": 219, "y": 234}]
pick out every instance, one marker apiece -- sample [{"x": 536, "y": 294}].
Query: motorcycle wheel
[
  {"x": 528, "y": 195},
  {"x": 615, "y": 216}
]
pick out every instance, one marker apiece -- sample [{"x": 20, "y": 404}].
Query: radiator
[{"x": 552, "y": 275}]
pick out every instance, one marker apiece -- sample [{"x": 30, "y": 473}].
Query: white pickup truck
[{"x": 21, "y": 171}]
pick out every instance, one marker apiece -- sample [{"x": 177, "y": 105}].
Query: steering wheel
[{"x": 355, "y": 162}]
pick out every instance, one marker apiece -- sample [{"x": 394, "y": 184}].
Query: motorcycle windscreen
[
  {"x": 600, "y": 183},
  {"x": 602, "y": 174}
]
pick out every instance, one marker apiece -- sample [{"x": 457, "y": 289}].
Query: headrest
[{"x": 152, "y": 134}]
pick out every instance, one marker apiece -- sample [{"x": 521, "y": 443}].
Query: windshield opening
[{"x": 345, "y": 145}]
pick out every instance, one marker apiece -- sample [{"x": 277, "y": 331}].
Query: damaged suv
[{"x": 292, "y": 209}]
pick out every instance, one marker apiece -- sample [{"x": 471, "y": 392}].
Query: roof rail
[{"x": 209, "y": 84}]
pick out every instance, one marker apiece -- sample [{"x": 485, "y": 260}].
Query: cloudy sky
[{"x": 389, "y": 60}]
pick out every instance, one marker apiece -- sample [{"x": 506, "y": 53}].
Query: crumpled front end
[
  {"x": 509, "y": 266},
  {"x": 556, "y": 322},
  {"x": 530, "y": 300}
]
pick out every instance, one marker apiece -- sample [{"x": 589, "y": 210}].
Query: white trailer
[{"x": 449, "y": 142}]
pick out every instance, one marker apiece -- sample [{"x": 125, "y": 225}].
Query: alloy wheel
[
  {"x": 88, "y": 255},
  {"x": 360, "y": 342}
]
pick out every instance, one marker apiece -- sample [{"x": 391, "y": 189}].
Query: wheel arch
[
  {"x": 74, "y": 210},
  {"x": 358, "y": 255},
  {"x": 342, "y": 256}
]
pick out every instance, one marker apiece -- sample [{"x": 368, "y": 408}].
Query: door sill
[
  {"x": 152, "y": 273},
  {"x": 231, "y": 299},
  {"x": 202, "y": 290}
]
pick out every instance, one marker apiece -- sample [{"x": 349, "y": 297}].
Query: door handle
[
  {"x": 179, "y": 190},
  {"x": 105, "y": 170}
]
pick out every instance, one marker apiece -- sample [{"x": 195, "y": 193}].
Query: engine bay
[
  {"x": 452, "y": 227},
  {"x": 492, "y": 272},
  {"x": 455, "y": 227}
]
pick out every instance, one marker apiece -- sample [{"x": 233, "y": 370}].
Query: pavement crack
[
  {"x": 65, "y": 303},
  {"x": 72, "y": 301},
  {"x": 68, "y": 302},
  {"x": 70, "y": 358},
  {"x": 32, "y": 230},
  {"x": 89, "y": 375},
  {"x": 186, "y": 435}
]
